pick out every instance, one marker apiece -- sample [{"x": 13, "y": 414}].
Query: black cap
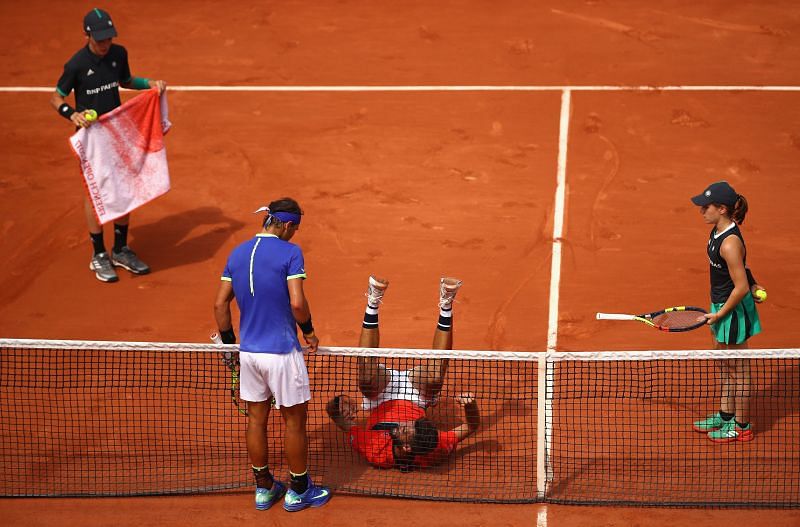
[
  {"x": 97, "y": 24},
  {"x": 720, "y": 192}
]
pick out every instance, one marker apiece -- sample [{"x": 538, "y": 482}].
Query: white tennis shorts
[
  {"x": 264, "y": 375},
  {"x": 399, "y": 387}
]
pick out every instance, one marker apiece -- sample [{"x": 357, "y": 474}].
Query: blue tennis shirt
[{"x": 259, "y": 269}]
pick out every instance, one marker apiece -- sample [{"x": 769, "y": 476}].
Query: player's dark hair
[
  {"x": 426, "y": 437},
  {"x": 739, "y": 210},
  {"x": 282, "y": 205},
  {"x": 285, "y": 205}
]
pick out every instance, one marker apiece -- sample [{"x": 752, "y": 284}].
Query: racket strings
[{"x": 679, "y": 319}]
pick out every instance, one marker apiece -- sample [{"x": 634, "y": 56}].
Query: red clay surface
[
  {"x": 411, "y": 186},
  {"x": 633, "y": 238}
]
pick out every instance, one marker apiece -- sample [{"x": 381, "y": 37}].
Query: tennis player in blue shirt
[{"x": 265, "y": 275}]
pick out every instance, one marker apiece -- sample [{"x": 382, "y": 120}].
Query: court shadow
[
  {"x": 489, "y": 445},
  {"x": 513, "y": 408},
  {"x": 183, "y": 238},
  {"x": 448, "y": 414},
  {"x": 459, "y": 461},
  {"x": 559, "y": 486},
  {"x": 486, "y": 446},
  {"x": 778, "y": 400},
  {"x": 331, "y": 453}
]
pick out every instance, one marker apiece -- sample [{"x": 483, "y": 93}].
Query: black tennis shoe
[{"x": 127, "y": 259}]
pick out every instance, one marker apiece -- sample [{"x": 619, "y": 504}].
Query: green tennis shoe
[
  {"x": 730, "y": 432},
  {"x": 709, "y": 424}
]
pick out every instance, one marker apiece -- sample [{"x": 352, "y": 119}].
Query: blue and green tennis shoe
[
  {"x": 314, "y": 496},
  {"x": 266, "y": 498}
]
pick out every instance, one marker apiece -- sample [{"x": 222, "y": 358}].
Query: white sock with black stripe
[
  {"x": 445, "y": 320},
  {"x": 370, "y": 318}
]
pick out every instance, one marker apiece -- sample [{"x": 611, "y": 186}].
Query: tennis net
[{"x": 112, "y": 419}]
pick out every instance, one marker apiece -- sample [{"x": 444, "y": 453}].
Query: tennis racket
[
  {"x": 231, "y": 361},
  {"x": 672, "y": 319}
]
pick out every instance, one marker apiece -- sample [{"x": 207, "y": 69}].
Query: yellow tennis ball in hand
[
  {"x": 761, "y": 295},
  {"x": 90, "y": 115}
]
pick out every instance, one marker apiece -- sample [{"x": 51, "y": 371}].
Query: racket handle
[
  {"x": 615, "y": 316},
  {"x": 228, "y": 357}
]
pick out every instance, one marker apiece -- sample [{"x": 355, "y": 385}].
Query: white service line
[
  {"x": 490, "y": 88},
  {"x": 423, "y": 88}
]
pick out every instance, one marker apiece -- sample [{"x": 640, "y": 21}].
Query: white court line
[
  {"x": 541, "y": 516},
  {"x": 544, "y": 405},
  {"x": 422, "y": 88},
  {"x": 558, "y": 220}
]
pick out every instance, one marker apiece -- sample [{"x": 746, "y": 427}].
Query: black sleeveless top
[{"x": 721, "y": 282}]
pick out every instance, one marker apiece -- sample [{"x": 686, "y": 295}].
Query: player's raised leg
[
  {"x": 429, "y": 378},
  {"x": 443, "y": 336},
  {"x": 372, "y": 375}
]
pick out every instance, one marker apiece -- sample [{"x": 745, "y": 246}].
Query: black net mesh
[{"x": 116, "y": 419}]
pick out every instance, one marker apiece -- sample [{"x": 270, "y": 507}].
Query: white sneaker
[
  {"x": 448, "y": 287},
  {"x": 377, "y": 287}
]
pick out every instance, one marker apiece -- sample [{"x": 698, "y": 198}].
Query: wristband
[
  {"x": 228, "y": 337},
  {"x": 140, "y": 83},
  {"x": 750, "y": 280},
  {"x": 66, "y": 111},
  {"x": 306, "y": 327}
]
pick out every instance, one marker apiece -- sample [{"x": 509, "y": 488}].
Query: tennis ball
[
  {"x": 90, "y": 115},
  {"x": 761, "y": 295}
]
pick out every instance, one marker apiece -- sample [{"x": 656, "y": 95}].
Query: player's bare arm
[
  {"x": 222, "y": 306},
  {"x": 302, "y": 313},
  {"x": 472, "y": 416},
  {"x": 757, "y": 290},
  {"x": 153, "y": 83}
]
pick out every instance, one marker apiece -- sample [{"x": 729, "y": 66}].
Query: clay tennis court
[{"x": 413, "y": 184}]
